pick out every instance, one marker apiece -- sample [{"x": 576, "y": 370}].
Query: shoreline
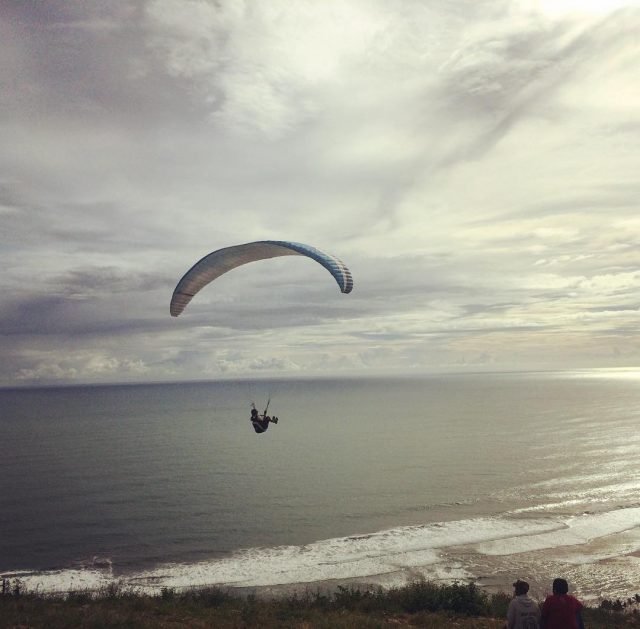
[
  {"x": 594, "y": 580},
  {"x": 494, "y": 584}
]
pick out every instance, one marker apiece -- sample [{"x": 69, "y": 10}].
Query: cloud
[
  {"x": 475, "y": 165},
  {"x": 261, "y": 68},
  {"x": 83, "y": 367}
]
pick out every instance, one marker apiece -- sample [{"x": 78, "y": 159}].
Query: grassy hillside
[{"x": 420, "y": 604}]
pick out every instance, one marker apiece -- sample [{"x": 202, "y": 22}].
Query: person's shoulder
[
  {"x": 575, "y": 601},
  {"x": 528, "y": 601}
]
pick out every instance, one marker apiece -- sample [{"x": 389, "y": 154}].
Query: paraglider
[
  {"x": 259, "y": 422},
  {"x": 219, "y": 262}
]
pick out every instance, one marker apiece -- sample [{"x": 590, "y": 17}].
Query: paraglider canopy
[{"x": 219, "y": 262}]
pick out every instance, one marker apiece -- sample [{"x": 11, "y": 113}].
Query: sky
[{"x": 474, "y": 163}]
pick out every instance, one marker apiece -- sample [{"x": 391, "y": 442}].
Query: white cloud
[
  {"x": 81, "y": 366},
  {"x": 261, "y": 67},
  {"x": 475, "y": 165},
  {"x": 587, "y": 7}
]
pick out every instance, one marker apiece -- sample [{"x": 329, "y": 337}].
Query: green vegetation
[{"x": 419, "y": 604}]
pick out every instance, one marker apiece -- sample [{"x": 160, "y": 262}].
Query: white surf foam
[
  {"x": 61, "y": 581},
  {"x": 385, "y": 552},
  {"x": 393, "y": 554},
  {"x": 575, "y": 530}
]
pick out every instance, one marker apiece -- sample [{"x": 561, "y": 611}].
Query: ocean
[{"x": 474, "y": 477}]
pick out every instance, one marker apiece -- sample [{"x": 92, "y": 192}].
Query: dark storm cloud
[
  {"x": 91, "y": 301},
  {"x": 85, "y": 59},
  {"x": 109, "y": 281},
  {"x": 67, "y": 317},
  {"x": 57, "y": 316}
]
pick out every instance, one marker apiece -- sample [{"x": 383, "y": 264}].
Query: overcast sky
[{"x": 474, "y": 162}]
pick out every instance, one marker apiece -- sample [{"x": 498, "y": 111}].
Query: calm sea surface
[{"x": 487, "y": 477}]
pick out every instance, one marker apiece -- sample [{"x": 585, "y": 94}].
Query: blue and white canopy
[{"x": 219, "y": 262}]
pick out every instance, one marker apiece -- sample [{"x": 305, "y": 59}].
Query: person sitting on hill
[
  {"x": 560, "y": 610},
  {"x": 523, "y": 612}
]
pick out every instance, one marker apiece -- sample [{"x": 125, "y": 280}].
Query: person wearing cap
[
  {"x": 560, "y": 610},
  {"x": 523, "y": 612}
]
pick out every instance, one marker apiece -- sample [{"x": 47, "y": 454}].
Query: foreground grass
[{"x": 420, "y": 604}]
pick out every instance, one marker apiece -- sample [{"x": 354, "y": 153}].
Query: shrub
[
  {"x": 210, "y": 597},
  {"x": 422, "y": 595},
  {"x": 499, "y": 604},
  {"x": 362, "y": 600},
  {"x": 81, "y": 597},
  {"x": 12, "y": 587},
  {"x": 167, "y": 594}
]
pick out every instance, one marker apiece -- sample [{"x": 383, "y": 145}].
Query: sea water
[{"x": 483, "y": 477}]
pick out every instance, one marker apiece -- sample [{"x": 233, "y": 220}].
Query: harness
[{"x": 260, "y": 425}]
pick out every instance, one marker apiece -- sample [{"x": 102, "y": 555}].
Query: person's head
[
  {"x": 254, "y": 411},
  {"x": 560, "y": 586},
  {"x": 521, "y": 587}
]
